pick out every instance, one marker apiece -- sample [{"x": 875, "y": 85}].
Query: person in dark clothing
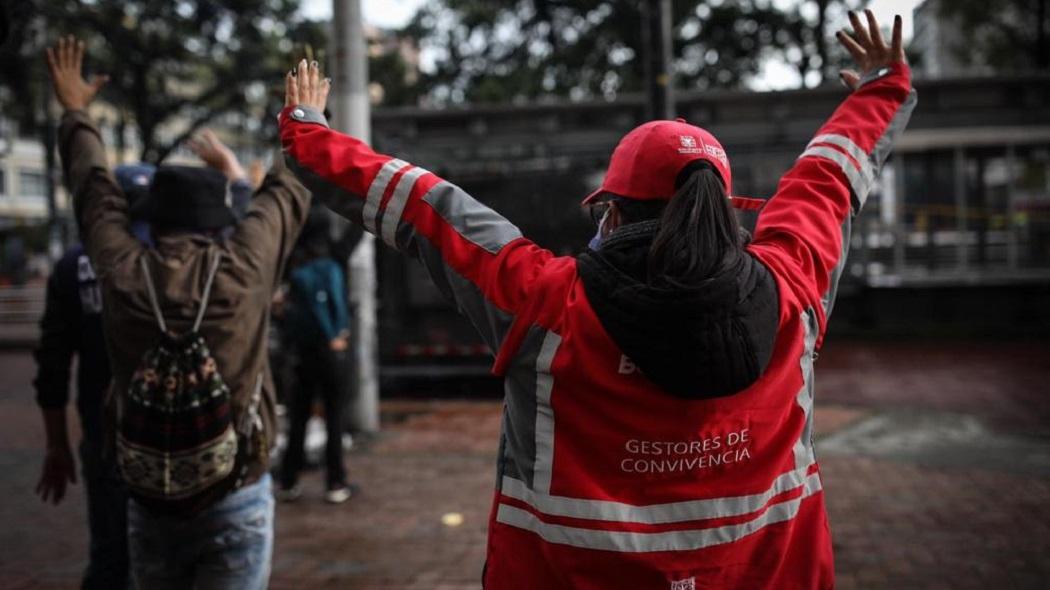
[
  {"x": 319, "y": 327},
  {"x": 72, "y": 325}
]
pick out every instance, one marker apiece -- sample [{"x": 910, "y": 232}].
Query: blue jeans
[
  {"x": 107, "y": 519},
  {"x": 225, "y": 547}
]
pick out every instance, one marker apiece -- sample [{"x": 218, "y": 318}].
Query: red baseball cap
[{"x": 647, "y": 160}]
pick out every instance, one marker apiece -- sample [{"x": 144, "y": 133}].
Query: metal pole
[
  {"x": 656, "y": 38},
  {"x": 351, "y": 114}
]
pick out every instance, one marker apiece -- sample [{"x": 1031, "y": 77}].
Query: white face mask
[{"x": 596, "y": 241}]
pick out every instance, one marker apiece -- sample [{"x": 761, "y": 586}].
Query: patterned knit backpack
[{"x": 178, "y": 446}]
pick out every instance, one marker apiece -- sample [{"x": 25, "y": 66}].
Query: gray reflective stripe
[
  {"x": 519, "y": 427},
  {"x": 491, "y": 321},
  {"x": 857, "y": 182},
  {"x": 804, "y": 446},
  {"x": 473, "y": 221},
  {"x": 542, "y": 468},
  {"x": 862, "y": 157},
  {"x": 687, "y": 511},
  {"x": 828, "y": 300},
  {"x": 633, "y": 542},
  {"x": 396, "y": 205},
  {"x": 893, "y": 130},
  {"x": 376, "y": 190}
]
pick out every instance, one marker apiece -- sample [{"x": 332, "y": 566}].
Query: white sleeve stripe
[
  {"x": 857, "y": 182},
  {"x": 370, "y": 212},
  {"x": 862, "y": 157},
  {"x": 396, "y": 206}
]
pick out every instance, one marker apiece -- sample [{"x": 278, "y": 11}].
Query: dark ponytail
[{"x": 698, "y": 233}]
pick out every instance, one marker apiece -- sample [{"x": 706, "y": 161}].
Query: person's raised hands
[
  {"x": 304, "y": 86},
  {"x": 868, "y": 48},
  {"x": 64, "y": 61},
  {"x": 209, "y": 148}
]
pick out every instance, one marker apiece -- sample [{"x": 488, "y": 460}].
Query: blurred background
[{"x": 935, "y": 424}]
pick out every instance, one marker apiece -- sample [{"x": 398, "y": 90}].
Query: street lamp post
[{"x": 350, "y": 110}]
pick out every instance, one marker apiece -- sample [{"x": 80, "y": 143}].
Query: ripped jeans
[{"x": 227, "y": 546}]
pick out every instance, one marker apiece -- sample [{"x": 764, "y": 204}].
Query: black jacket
[{"x": 72, "y": 325}]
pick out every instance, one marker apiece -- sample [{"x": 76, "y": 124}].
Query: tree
[
  {"x": 1006, "y": 35},
  {"x": 177, "y": 65},
  {"x": 809, "y": 26},
  {"x": 22, "y": 73},
  {"x": 506, "y": 50}
]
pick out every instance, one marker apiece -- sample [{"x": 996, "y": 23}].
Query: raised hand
[
  {"x": 209, "y": 148},
  {"x": 64, "y": 62},
  {"x": 304, "y": 86},
  {"x": 868, "y": 48}
]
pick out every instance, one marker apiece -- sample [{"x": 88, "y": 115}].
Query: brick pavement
[{"x": 944, "y": 512}]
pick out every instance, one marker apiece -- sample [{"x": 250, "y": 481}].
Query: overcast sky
[{"x": 395, "y": 13}]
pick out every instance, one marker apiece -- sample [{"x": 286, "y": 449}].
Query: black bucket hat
[{"x": 189, "y": 198}]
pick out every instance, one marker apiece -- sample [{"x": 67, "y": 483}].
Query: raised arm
[
  {"x": 472, "y": 253},
  {"x": 100, "y": 205},
  {"x": 803, "y": 232},
  {"x": 271, "y": 223},
  {"x": 216, "y": 154}
]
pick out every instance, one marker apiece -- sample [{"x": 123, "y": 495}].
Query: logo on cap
[
  {"x": 688, "y": 145},
  {"x": 686, "y": 584},
  {"x": 716, "y": 152}
]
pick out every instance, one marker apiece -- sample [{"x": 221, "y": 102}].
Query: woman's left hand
[{"x": 868, "y": 48}]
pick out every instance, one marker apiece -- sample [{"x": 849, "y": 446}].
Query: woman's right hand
[
  {"x": 868, "y": 48},
  {"x": 303, "y": 86}
]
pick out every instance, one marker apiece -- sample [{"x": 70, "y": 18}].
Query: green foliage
[
  {"x": 1005, "y": 35},
  {"x": 21, "y": 71},
  {"x": 178, "y": 65},
  {"x": 506, "y": 50}
]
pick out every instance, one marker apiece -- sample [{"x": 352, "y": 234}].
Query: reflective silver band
[
  {"x": 370, "y": 213},
  {"x": 856, "y": 180},
  {"x": 396, "y": 205},
  {"x": 472, "y": 220},
  {"x": 687, "y": 511},
  {"x": 803, "y": 448},
  {"x": 544, "y": 464},
  {"x": 634, "y": 542},
  {"x": 863, "y": 158}
]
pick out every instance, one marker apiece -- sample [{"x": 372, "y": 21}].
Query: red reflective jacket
[{"x": 605, "y": 481}]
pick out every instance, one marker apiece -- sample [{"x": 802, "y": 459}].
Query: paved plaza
[{"x": 935, "y": 459}]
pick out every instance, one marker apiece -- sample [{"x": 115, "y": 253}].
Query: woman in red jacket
[{"x": 659, "y": 387}]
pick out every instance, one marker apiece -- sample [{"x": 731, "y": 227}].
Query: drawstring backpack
[{"x": 179, "y": 447}]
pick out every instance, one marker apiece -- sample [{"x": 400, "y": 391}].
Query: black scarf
[{"x": 711, "y": 338}]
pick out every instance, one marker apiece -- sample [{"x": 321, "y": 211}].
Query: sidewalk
[{"x": 935, "y": 461}]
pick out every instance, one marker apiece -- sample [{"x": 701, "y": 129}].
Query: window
[{"x": 32, "y": 183}]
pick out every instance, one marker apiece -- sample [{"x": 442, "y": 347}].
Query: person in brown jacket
[{"x": 227, "y": 544}]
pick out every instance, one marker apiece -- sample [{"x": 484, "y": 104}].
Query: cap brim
[{"x": 594, "y": 197}]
